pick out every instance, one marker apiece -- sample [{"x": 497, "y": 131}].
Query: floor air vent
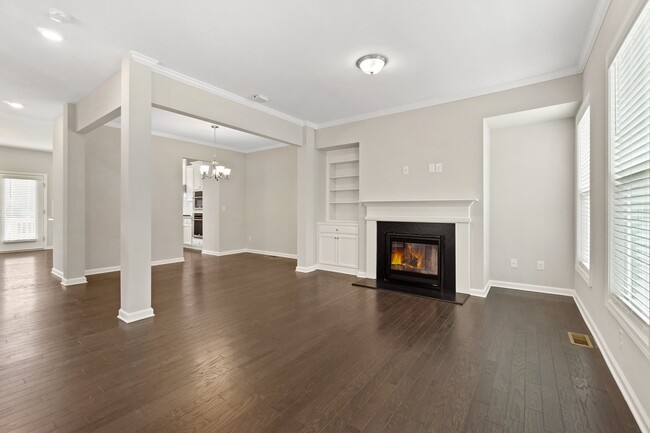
[{"x": 580, "y": 340}]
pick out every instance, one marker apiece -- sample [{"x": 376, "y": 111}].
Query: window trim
[
  {"x": 637, "y": 330},
  {"x": 580, "y": 268}
]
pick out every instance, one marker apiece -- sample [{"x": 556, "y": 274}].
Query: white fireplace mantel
[{"x": 433, "y": 211}]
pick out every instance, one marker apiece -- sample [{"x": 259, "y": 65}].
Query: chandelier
[{"x": 214, "y": 170}]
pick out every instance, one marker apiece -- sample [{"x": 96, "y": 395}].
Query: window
[
  {"x": 629, "y": 181},
  {"x": 19, "y": 210},
  {"x": 584, "y": 191}
]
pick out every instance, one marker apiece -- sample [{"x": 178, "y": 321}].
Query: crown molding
[
  {"x": 170, "y": 73},
  {"x": 592, "y": 33},
  {"x": 458, "y": 97}
]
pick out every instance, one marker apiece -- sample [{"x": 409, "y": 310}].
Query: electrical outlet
[
  {"x": 541, "y": 265},
  {"x": 250, "y": 238},
  {"x": 514, "y": 263},
  {"x": 432, "y": 167},
  {"x": 439, "y": 167},
  {"x": 405, "y": 169},
  {"x": 620, "y": 338}
]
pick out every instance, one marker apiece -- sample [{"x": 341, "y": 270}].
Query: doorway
[{"x": 22, "y": 211}]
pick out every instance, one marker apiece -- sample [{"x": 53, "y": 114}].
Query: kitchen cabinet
[{"x": 187, "y": 230}]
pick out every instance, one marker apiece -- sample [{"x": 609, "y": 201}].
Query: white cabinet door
[
  {"x": 348, "y": 251},
  {"x": 198, "y": 181},
  {"x": 189, "y": 181},
  {"x": 187, "y": 234},
  {"x": 327, "y": 246}
]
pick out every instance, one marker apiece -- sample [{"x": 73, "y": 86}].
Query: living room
[{"x": 404, "y": 246}]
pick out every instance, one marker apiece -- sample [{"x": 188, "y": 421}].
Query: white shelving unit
[
  {"x": 343, "y": 185},
  {"x": 338, "y": 237}
]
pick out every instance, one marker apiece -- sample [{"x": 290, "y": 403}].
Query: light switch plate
[
  {"x": 439, "y": 167},
  {"x": 541, "y": 265},
  {"x": 405, "y": 169},
  {"x": 514, "y": 263},
  {"x": 432, "y": 167}
]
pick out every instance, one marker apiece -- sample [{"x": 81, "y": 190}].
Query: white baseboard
[
  {"x": 107, "y": 269},
  {"x": 481, "y": 293},
  {"x": 135, "y": 316},
  {"x": 223, "y": 253},
  {"x": 73, "y": 281},
  {"x": 49, "y": 247},
  {"x": 632, "y": 400},
  {"x": 68, "y": 281},
  {"x": 306, "y": 269},
  {"x": 338, "y": 269},
  {"x": 167, "y": 261},
  {"x": 361, "y": 274},
  {"x": 271, "y": 253},
  {"x": 530, "y": 288},
  {"x": 251, "y": 251}
]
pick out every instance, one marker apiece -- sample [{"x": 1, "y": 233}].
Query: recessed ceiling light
[
  {"x": 59, "y": 16},
  {"x": 372, "y": 63},
  {"x": 16, "y": 105},
  {"x": 50, "y": 34}
]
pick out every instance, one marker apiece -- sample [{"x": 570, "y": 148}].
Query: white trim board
[
  {"x": 250, "y": 251},
  {"x": 108, "y": 269},
  {"x": 529, "y": 288},
  {"x": 135, "y": 316}
]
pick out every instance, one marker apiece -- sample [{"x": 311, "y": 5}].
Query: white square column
[
  {"x": 68, "y": 197},
  {"x": 135, "y": 190}
]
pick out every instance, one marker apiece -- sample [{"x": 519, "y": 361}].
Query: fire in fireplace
[{"x": 414, "y": 257}]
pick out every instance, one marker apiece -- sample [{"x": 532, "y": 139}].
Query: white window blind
[
  {"x": 584, "y": 189},
  {"x": 629, "y": 231},
  {"x": 19, "y": 210}
]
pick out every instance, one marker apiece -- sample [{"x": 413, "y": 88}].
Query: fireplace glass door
[{"x": 415, "y": 259}]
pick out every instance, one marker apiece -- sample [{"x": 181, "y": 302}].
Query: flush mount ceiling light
[
  {"x": 16, "y": 105},
  {"x": 215, "y": 170},
  {"x": 50, "y": 35},
  {"x": 372, "y": 63},
  {"x": 59, "y": 16}
]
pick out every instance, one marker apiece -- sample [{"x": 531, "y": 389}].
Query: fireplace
[{"x": 417, "y": 257}]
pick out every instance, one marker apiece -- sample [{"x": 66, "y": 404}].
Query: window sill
[
  {"x": 584, "y": 274},
  {"x": 639, "y": 332}
]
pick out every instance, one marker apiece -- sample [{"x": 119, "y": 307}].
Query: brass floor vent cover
[{"x": 580, "y": 340}]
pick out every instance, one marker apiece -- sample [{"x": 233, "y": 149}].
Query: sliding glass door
[{"x": 21, "y": 212}]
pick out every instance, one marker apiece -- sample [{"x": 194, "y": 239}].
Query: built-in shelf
[{"x": 343, "y": 185}]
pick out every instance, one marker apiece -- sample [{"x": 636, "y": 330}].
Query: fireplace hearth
[{"x": 418, "y": 258}]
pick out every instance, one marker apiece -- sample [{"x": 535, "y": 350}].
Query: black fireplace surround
[{"x": 423, "y": 258}]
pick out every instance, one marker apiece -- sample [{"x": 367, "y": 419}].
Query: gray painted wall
[
  {"x": 30, "y": 161},
  {"x": 633, "y": 363},
  {"x": 449, "y": 133},
  {"x": 532, "y": 203},
  {"x": 276, "y": 174},
  {"x": 271, "y": 200}
]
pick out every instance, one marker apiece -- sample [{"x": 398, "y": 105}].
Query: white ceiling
[
  {"x": 300, "y": 54},
  {"x": 180, "y": 127}
]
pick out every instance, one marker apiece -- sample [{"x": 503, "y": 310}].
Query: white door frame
[{"x": 40, "y": 243}]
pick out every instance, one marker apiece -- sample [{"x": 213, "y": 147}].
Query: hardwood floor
[{"x": 244, "y": 344}]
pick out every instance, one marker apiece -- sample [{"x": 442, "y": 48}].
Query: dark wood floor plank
[{"x": 243, "y": 343}]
